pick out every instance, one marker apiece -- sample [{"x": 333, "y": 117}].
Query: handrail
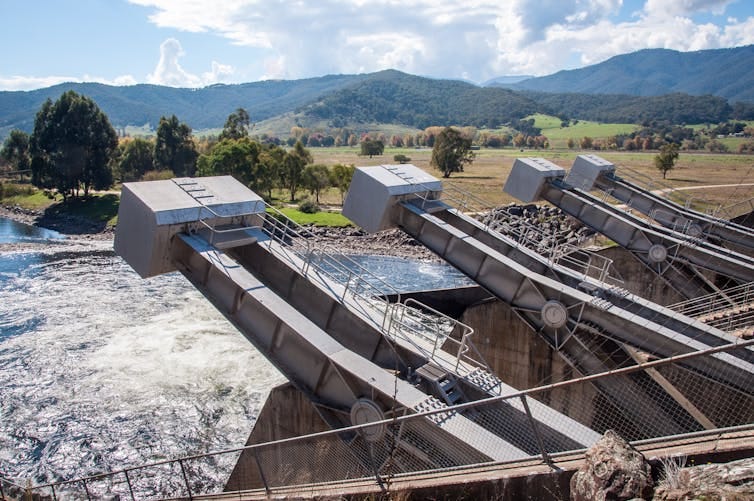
[
  {"x": 717, "y": 301},
  {"x": 398, "y": 421}
]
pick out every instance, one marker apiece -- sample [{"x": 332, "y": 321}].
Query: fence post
[
  {"x": 185, "y": 479},
  {"x": 86, "y": 489},
  {"x": 261, "y": 471},
  {"x": 128, "y": 482},
  {"x": 537, "y": 436}
]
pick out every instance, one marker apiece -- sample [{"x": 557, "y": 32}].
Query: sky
[{"x": 195, "y": 43}]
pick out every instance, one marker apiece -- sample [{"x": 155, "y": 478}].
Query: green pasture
[{"x": 558, "y": 136}]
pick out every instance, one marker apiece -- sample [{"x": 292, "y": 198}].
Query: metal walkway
[
  {"x": 679, "y": 259},
  {"x": 338, "y": 342},
  {"x": 591, "y": 172},
  {"x": 583, "y": 327}
]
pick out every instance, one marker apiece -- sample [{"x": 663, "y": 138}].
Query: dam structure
[
  {"x": 357, "y": 358},
  {"x": 385, "y": 390},
  {"x": 594, "y": 329},
  {"x": 591, "y": 172}
]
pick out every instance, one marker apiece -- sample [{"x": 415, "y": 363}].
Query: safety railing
[
  {"x": 730, "y": 309},
  {"x": 665, "y": 190},
  {"x": 445, "y": 334},
  {"x": 403, "y": 447},
  {"x": 359, "y": 288},
  {"x": 735, "y": 210},
  {"x": 555, "y": 245}
]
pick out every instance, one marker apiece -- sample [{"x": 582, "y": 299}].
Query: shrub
[
  {"x": 8, "y": 190},
  {"x": 157, "y": 175},
  {"x": 308, "y": 207},
  {"x": 401, "y": 159}
]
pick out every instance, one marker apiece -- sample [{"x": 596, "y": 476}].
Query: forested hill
[
  {"x": 394, "y": 97},
  {"x": 388, "y": 97},
  {"x": 727, "y": 73},
  {"x": 203, "y": 108}
]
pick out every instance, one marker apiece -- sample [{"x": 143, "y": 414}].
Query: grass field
[
  {"x": 486, "y": 176},
  {"x": 559, "y": 136}
]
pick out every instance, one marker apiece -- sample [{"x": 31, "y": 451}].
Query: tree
[
  {"x": 293, "y": 168},
  {"x": 316, "y": 178},
  {"x": 237, "y": 125},
  {"x": 16, "y": 150},
  {"x": 372, "y": 147},
  {"x": 451, "y": 151},
  {"x": 269, "y": 169},
  {"x": 72, "y": 145},
  {"x": 136, "y": 159},
  {"x": 174, "y": 148},
  {"x": 233, "y": 157},
  {"x": 665, "y": 160},
  {"x": 340, "y": 177}
]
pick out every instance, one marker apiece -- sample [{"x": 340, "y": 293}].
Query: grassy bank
[{"x": 484, "y": 178}]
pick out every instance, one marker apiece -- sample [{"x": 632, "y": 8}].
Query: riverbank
[
  {"x": 348, "y": 240},
  {"x": 69, "y": 225}
]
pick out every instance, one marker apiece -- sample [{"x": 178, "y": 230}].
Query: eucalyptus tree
[
  {"x": 451, "y": 151},
  {"x": 16, "y": 150},
  {"x": 174, "y": 147},
  {"x": 72, "y": 145},
  {"x": 294, "y": 162},
  {"x": 237, "y": 125},
  {"x": 136, "y": 159},
  {"x": 316, "y": 177}
]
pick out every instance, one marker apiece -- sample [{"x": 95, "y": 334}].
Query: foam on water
[{"x": 100, "y": 369}]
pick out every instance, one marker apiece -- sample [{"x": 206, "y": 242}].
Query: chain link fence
[{"x": 416, "y": 442}]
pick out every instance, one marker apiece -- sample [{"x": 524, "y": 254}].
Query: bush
[
  {"x": 8, "y": 190},
  {"x": 158, "y": 175},
  {"x": 308, "y": 207},
  {"x": 401, "y": 159}
]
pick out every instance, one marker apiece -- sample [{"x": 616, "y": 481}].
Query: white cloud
[
  {"x": 169, "y": 71},
  {"x": 671, "y": 8},
  {"x": 477, "y": 38}
]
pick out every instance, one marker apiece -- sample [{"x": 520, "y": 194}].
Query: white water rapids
[{"x": 101, "y": 370}]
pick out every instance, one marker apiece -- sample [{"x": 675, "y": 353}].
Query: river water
[{"x": 100, "y": 370}]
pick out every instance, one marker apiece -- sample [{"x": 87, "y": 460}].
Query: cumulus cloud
[
  {"x": 170, "y": 72},
  {"x": 478, "y": 39},
  {"x": 670, "y": 8}
]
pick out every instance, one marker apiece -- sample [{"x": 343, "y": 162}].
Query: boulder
[
  {"x": 732, "y": 481},
  {"x": 613, "y": 470}
]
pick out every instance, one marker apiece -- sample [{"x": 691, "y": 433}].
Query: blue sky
[{"x": 193, "y": 43}]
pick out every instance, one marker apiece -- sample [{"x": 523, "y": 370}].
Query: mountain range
[
  {"x": 727, "y": 73},
  {"x": 653, "y": 84}
]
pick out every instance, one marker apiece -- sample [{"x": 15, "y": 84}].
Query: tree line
[{"x": 74, "y": 149}]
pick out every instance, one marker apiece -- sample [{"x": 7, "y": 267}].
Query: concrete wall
[
  {"x": 639, "y": 279},
  {"x": 287, "y": 413},
  {"x": 514, "y": 351}
]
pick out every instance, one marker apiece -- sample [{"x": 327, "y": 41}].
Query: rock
[
  {"x": 734, "y": 480},
  {"x": 613, "y": 471}
]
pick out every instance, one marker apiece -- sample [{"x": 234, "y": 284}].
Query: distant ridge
[
  {"x": 727, "y": 73},
  {"x": 645, "y": 86},
  {"x": 506, "y": 80},
  {"x": 203, "y": 108}
]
